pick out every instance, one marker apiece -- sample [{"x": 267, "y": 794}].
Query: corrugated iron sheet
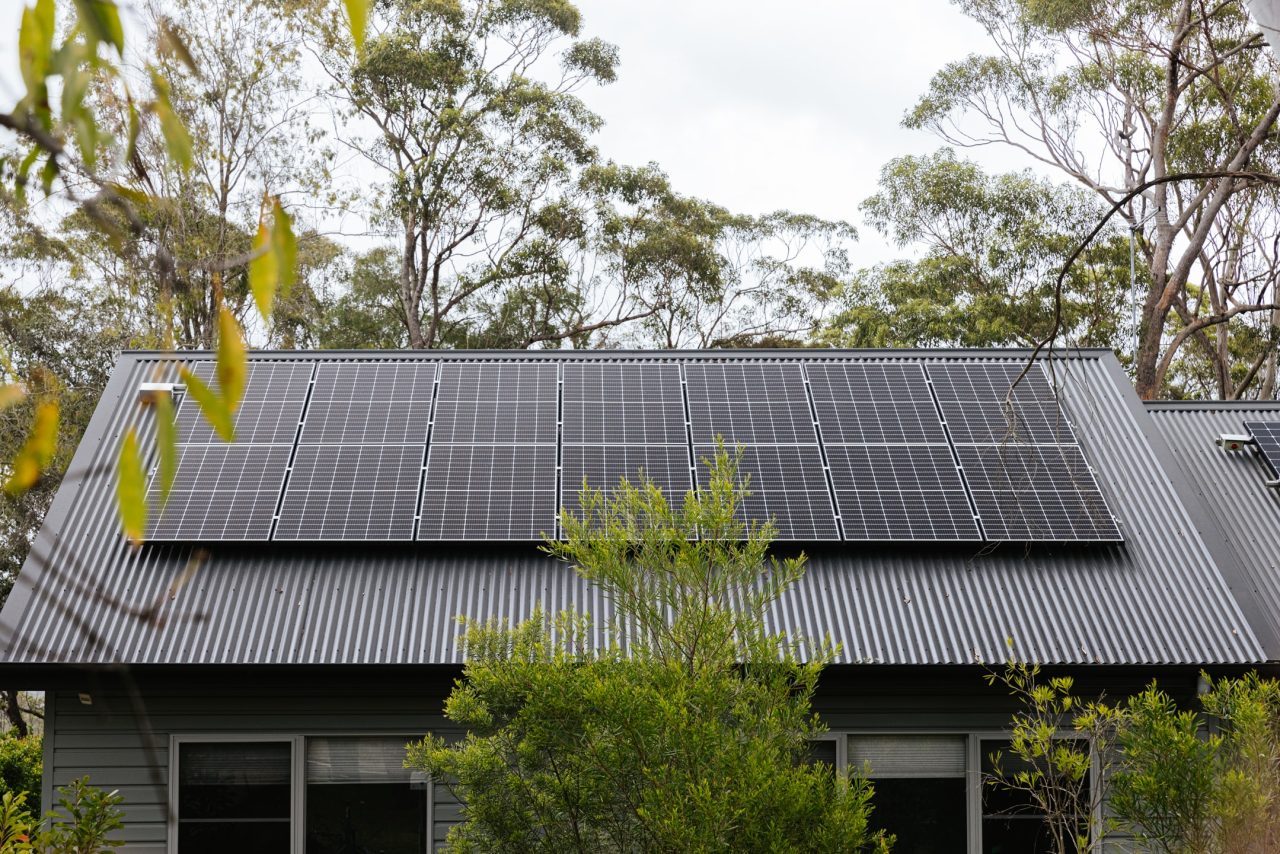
[{"x": 1161, "y": 597}]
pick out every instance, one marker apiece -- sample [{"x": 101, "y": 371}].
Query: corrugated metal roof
[
  {"x": 1161, "y": 597},
  {"x": 1233, "y": 491}
]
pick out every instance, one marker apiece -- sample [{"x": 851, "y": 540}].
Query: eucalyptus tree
[
  {"x": 475, "y": 122},
  {"x": 991, "y": 247},
  {"x": 1115, "y": 95}
]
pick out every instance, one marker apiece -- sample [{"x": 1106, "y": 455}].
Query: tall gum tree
[{"x": 1119, "y": 93}]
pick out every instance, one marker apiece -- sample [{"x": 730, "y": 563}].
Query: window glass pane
[
  {"x": 926, "y": 815},
  {"x": 233, "y": 796},
  {"x": 1011, "y": 821},
  {"x": 822, "y": 750},
  {"x": 361, "y": 799}
]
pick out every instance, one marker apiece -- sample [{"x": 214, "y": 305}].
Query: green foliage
[
  {"x": 992, "y": 249},
  {"x": 21, "y": 768},
  {"x": 687, "y": 731},
  {"x": 83, "y": 823}
]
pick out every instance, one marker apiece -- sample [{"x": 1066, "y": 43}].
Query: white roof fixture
[
  {"x": 148, "y": 392},
  {"x": 1233, "y": 441}
]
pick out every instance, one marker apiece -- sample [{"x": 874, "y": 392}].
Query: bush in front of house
[
  {"x": 21, "y": 764},
  {"x": 85, "y": 819}
]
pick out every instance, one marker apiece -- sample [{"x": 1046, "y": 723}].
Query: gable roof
[{"x": 1167, "y": 595}]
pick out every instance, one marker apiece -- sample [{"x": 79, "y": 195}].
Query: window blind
[
  {"x": 357, "y": 760},
  {"x": 909, "y": 755}
]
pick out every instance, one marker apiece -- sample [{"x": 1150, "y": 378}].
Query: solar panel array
[
  {"x": 1266, "y": 435},
  {"x": 860, "y": 450}
]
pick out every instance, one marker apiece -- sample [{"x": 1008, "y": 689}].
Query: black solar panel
[
  {"x": 269, "y": 412},
  {"x": 354, "y": 492},
  {"x": 874, "y": 403},
  {"x": 370, "y": 403},
  {"x": 221, "y": 492},
  {"x": 497, "y": 402},
  {"x": 752, "y": 403},
  {"x": 900, "y": 492},
  {"x": 604, "y": 465},
  {"x": 1036, "y": 492},
  {"x": 619, "y": 404},
  {"x": 489, "y": 492},
  {"x": 788, "y": 484},
  {"x": 1266, "y": 434},
  {"x": 973, "y": 400}
]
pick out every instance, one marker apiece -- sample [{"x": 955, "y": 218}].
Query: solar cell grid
[
  {"x": 220, "y": 492},
  {"x": 488, "y": 492},
  {"x": 1036, "y": 492},
  {"x": 900, "y": 492},
  {"x": 973, "y": 395},
  {"x": 1267, "y": 436},
  {"x": 604, "y": 465},
  {"x": 759, "y": 403},
  {"x": 269, "y": 412},
  {"x": 353, "y": 492},
  {"x": 787, "y": 483},
  {"x": 623, "y": 404},
  {"x": 874, "y": 403},
  {"x": 492, "y": 402}
]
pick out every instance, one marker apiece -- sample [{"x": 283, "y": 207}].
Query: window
[
  {"x": 362, "y": 800},
  {"x": 1011, "y": 823},
  {"x": 920, "y": 788},
  {"x": 234, "y": 796}
]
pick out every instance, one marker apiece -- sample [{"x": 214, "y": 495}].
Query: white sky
[{"x": 754, "y": 104}]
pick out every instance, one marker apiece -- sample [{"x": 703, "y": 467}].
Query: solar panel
[
  {"x": 352, "y": 492},
  {"x": 370, "y": 403},
  {"x": 788, "y": 484},
  {"x": 221, "y": 492},
  {"x": 269, "y": 411},
  {"x": 977, "y": 404},
  {"x": 497, "y": 402},
  {"x": 489, "y": 492},
  {"x": 1036, "y": 492},
  {"x": 619, "y": 404},
  {"x": 602, "y": 466},
  {"x": 755, "y": 403},
  {"x": 1266, "y": 434},
  {"x": 900, "y": 492},
  {"x": 874, "y": 403}
]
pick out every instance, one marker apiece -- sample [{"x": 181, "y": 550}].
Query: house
[{"x": 248, "y": 676}]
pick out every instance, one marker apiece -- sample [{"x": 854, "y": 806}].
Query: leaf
[
  {"x": 285, "y": 245},
  {"x": 11, "y": 394},
  {"x": 233, "y": 364},
  {"x": 131, "y": 489},
  {"x": 35, "y": 44},
  {"x": 101, "y": 20},
  {"x": 166, "y": 445},
  {"x": 358, "y": 18},
  {"x": 176, "y": 138},
  {"x": 264, "y": 271},
  {"x": 135, "y": 128},
  {"x": 37, "y": 452},
  {"x": 211, "y": 405},
  {"x": 170, "y": 43}
]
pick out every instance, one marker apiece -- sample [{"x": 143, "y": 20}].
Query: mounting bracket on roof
[
  {"x": 1233, "y": 441},
  {"x": 148, "y": 392}
]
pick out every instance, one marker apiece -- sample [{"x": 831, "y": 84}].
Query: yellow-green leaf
[
  {"x": 37, "y": 452},
  {"x": 131, "y": 489},
  {"x": 264, "y": 271},
  {"x": 101, "y": 20},
  {"x": 35, "y": 44},
  {"x": 11, "y": 394},
  {"x": 357, "y": 17},
  {"x": 170, "y": 43},
  {"x": 233, "y": 365},
  {"x": 285, "y": 246},
  {"x": 176, "y": 139},
  {"x": 166, "y": 445},
  {"x": 212, "y": 405},
  {"x": 135, "y": 128}
]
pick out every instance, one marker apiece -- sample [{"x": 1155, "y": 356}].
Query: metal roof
[
  {"x": 1233, "y": 492},
  {"x": 1167, "y": 595}
]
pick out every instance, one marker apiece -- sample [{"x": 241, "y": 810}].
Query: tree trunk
[
  {"x": 14, "y": 713},
  {"x": 408, "y": 280}
]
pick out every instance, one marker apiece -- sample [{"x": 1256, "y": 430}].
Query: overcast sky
[{"x": 755, "y": 104}]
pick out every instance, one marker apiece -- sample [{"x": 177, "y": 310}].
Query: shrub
[{"x": 21, "y": 767}]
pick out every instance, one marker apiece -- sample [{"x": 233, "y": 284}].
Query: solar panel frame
[
  {"x": 805, "y": 514},
  {"x": 221, "y": 492},
  {"x": 622, "y": 403},
  {"x": 370, "y": 403},
  {"x": 604, "y": 465},
  {"x": 972, "y": 398},
  {"x": 269, "y": 411},
  {"x": 874, "y": 403},
  {"x": 752, "y": 403},
  {"x": 488, "y": 492},
  {"x": 497, "y": 403},
  {"x": 351, "y": 493},
  {"x": 1266, "y": 437}
]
